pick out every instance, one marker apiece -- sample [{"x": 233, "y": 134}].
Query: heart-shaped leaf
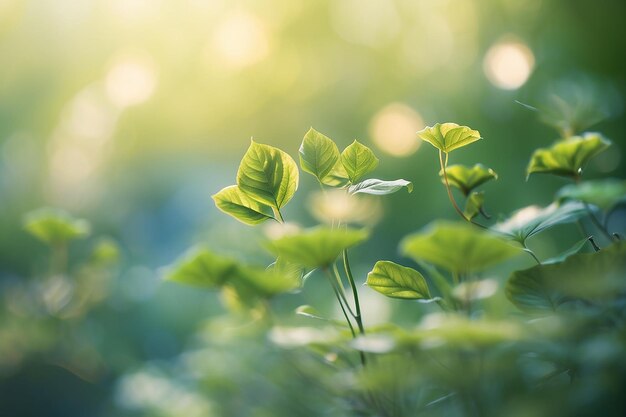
[
  {"x": 567, "y": 157},
  {"x": 474, "y": 204},
  {"x": 235, "y": 203},
  {"x": 267, "y": 175},
  {"x": 318, "y": 154},
  {"x": 532, "y": 220},
  {"x": 358, "y": 160},
  {"x": 380, "y": 187},
  {"x": 398, "y": 281},
  {"x": 316, "y": 247},
  {"x": 55, "y": 226},
  {"x": 585, "y": 276},
  {"x": 467, "y": 178},
  {"x": 602, "y": 193},
  {"x": 448, "y": 136},
  {"x": 457, "y": 247}
]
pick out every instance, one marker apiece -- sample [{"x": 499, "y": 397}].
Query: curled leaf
[
  {"x": 232, "y": 201},
  {"x": 379, "y": 187},
  {"x": 474, "y": 204},
  {"x": 449, "y": 136},
  {"x": 467, "y": 178}
]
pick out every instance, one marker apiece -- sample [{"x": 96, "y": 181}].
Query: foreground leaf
[
  {"x": 358, "y": 160},
  {"x": 55, "y": 226},
  {"x": 316, "y": 247},
  {"x": 449, "y": 136},
  {"x": 567, "y": 157},
  {"x": 235, "y": 203},
  {"x": 532, "y": 220},
  {"x": 318, "y": 154},
  {"x": 466, "y": 179},
  {"x": 585, "y": 276},
  {"x": 457, "y": 247},
  {"x": 379, "y": 187},
  {"x": 267, "y": 175},
  {"x": 602, "y": 193},
  {"x": 397, "y": 281}
]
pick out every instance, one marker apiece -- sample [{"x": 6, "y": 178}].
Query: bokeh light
[
  {"x": 508, "y": 64},
  {"x": 241, "y": 39},
  {"x": 394, "y": 129}
]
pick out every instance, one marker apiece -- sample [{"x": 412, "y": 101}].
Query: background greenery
[{"x": 131, "y": 113}]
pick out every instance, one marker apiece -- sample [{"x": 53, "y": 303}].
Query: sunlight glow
[
  {"x": 508, "y": 64},
  {"x": 241, "y": 40},
  {"x": 131, "y": 80},
  {"x": 393, "y": 129}
]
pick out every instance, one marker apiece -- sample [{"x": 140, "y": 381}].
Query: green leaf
[
  {"x": 380, "y": 187},
  {"x": 316, "y": 247},
  {"x": 202, "y": 268},
  {"x": 267, "y": 175},
  {"x": 584, "y": 276},
  {"x": 312, "y": 313},
  {"x": 358, "y": 160},
  {"x": 232, "y": 201},
  {"x": 55, "y": 226},
  {"x": 398, "y": 281},
  {"x": 457, "y": 247},
  {"x": 532, "y": 220},
  {"x": 338, "y": 177},
  {"x": 567, "y": 157},
  {"x": 474, "y": 204},
  {"x": 602, "y": 193},
  {"x": 318, "y": 154},
  {"x": 466, "y": 179},
  {"x": 448, "y": 136},
  {"x": 571, "y": 251}
]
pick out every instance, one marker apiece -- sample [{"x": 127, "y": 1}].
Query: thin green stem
[
  {"x": 447, "y": 184},
  {"x": 355, "y": 293},
  {"x": 341, "y": 290},
  {"x": 343, "y": 310},
  {"x": 531, "y": 253}
]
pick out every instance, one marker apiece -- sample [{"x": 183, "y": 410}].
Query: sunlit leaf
[
  {"x": 584, "y": 276},
  {"x": 467, "y": 178},
  {"x": 380, "y": 187},
  {"x": 318, "y": 154},
  {"x": 398, "y": 281},
  {"x": 316, "y": 247},
  {"x": 106, "y": 251},
  {"x": 457, "y": 247},
  {"x": 338, "y": 177},
  {"x": 267, "y": 175},
  {"x": 232, "y": 201},
  {"x": 474, "y": 204},
  {"x": 567, "y": 157},
  {"x": 448, "y": 136},
  {"x": 54, "y": 226},
  {"x": 358, "y": 160},
  {"x": 532, "y": 220},
  {"x": 602, "y": 193}
]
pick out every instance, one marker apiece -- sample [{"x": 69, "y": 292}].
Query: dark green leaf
[
  {"x": 398, "y": 281},
  {"x": 235, "y": 203},
  {"x": 577, "y": 247},
  {"x": 466, "y": 178},
  {"x": 449, "y": 136},
  {"x": 54, "y": 226},
  {"x": 380, "y": 187},
  {"x": 267, "y": 175},
  {"x": 318, "y": 154},
  {"x": 358, "y": 160}
]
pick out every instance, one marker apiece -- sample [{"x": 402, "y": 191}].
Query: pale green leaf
[
  {"x": 312, "y": 313},
  {"x": 358, "y": 160},
  {"x": 232, "y": 201},
  {"x": 267, "y": 175},
  {"x": 457, "y": 247},
  {"x": 338, "y": 177},
  {"x": 474, "y": 204},
  {"x": 318, "y": 154},
  {"x": 316, "y": 247},
  {"x": 55, "y": 226},
  {"x": 397, "y": 281},
  {"x": 202, "y": 268},
  {"x": 602, "y": 193},
  {"x": 448, "y": 136},
  {"x": 380, "y": 187},
  {"x": 467, "y": 178},
  {"x": 567, "y": 157}
]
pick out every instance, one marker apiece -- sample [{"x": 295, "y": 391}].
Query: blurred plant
[{"x": 461, "y": 360}]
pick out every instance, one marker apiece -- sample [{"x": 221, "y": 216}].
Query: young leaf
[
  {"x": 318, "y": 154},
  {"x": 567, "y": 157},
  {"x": 473, "y": 204},
  {"x": 448, "y": 136},
  {"x": 338, "y": 177},
  {"x": 532, "y": 220},
  {"x": 380, "y": 187},
  {"x": 267, "y": 175},
  {"x": 585, "y": 276},
  {"x": 397, "y": 281},
  {"x": 202, "y": 268},
  {"x": 602, "y": 193},
  {"x": 358, "y": 160},
  {"x": 457, "y": 247},
  {"x": 316, "y": 247},
  {"x": 466, "y": 178},
  {"x": 235, "y": 203},
  {"x": 54, "y": 226}
]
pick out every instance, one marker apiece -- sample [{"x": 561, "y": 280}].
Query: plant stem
[
  {"x": 343, "y": 310},
  {"x": 447, "y": 184},
  {"x": 531, "y": 253},
  {"x": 355, "y": 293},
  {"x": 278, "y": 216},
  {"x": 341, "y": 290}
]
